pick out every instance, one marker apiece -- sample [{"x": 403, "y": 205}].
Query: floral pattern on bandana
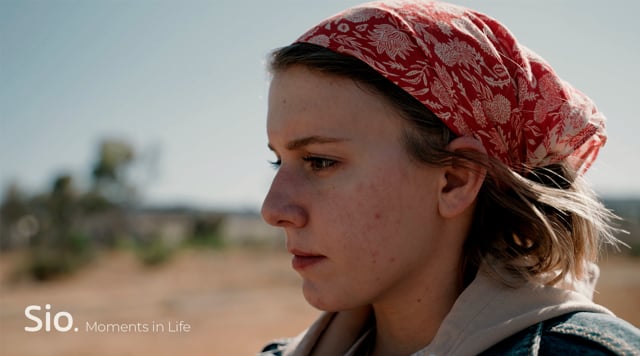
[{"x": 472, "y": 73}]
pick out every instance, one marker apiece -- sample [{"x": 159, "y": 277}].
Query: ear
[{"x": 462, "y": 180}]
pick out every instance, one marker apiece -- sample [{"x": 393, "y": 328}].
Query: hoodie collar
[{"x": 484, "y": 314}]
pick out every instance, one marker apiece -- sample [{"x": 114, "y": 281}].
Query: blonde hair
[{"x": 545, "y": 225}]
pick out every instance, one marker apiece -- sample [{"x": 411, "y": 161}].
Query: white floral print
[{"x": 388, "y": 39}]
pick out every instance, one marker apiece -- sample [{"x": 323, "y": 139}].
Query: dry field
[{"x": 232, "y": 300}]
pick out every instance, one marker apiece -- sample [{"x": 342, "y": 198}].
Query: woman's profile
[{"x": 429, "y": 182}]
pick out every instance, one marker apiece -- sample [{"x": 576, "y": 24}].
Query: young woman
[{"x": 429, "y": 184}]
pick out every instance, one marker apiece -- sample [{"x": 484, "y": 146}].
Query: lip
[{"x": 303, "y": 260}]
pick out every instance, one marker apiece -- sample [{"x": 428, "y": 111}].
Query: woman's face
[{"x": 360, "y": 216}]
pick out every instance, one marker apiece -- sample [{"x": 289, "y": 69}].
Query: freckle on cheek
[
  {"x": 374, "y": 256},
  {"x": 392, "y": 260},
  {"x": 377, "y": 216}
]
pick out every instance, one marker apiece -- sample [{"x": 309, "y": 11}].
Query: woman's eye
[{"x": 318, "y": 163}]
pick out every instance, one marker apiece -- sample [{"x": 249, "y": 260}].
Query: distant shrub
[
  {"x": 211, "y": 240},
  {"x": 206, "y": 233},
  {"x": 154, "y": 252},
  {"x": 47, "y": 265},
  {"x": 634, "y": 251},
  {"x": 47, "y": 262}
]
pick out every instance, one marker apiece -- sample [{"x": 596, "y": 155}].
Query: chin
[
  {"x": 324, "y": 302},
  {"x": 317, "y": 301}
]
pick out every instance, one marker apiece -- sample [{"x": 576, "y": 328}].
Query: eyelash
[
  {"x": 275, "y": 164},
  {"x": 315, "y": 163},
  {"x": 324, "y": 163}
]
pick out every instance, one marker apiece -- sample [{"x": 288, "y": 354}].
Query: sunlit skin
[{"x": 366, "y": 223}]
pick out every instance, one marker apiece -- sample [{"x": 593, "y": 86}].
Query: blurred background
[{"x": 133, "y": 162}]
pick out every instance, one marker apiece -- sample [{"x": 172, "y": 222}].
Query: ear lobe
[{"x": 462, "y": 180}]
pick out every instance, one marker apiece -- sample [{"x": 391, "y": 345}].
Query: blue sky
[{"x": 185, "y": 83}]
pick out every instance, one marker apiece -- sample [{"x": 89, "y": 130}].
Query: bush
[
  {"x": 634, "y": 250},
  {"x": 206, "y": 233},
  {"x": 211, "y": 240},
  {"x": 47, "y": 262},
  {"x": 154, "y": 252}
]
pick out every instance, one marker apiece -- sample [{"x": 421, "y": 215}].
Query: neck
[{"x": 409, "y": 320}]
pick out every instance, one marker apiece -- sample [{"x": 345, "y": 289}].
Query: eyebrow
[{"x": 310, "y": 140}]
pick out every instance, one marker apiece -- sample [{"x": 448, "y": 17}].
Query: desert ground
[{"x": 209, "y": 302}]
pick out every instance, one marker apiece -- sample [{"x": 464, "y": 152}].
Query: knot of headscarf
[{"x": 472, "y": 73}]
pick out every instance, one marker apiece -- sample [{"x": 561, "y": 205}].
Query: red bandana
[{"x": 471, "y": 72}]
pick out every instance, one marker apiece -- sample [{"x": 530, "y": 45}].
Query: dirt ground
[{"x": 233, "y": 302}]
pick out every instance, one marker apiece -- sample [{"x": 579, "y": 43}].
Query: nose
[{"x": 281, "y": 206}]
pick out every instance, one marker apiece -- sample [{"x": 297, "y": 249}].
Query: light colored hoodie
[{"x": 484, "y": 314}]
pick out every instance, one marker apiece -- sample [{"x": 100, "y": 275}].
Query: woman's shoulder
[{"x": 581, "y": 333}]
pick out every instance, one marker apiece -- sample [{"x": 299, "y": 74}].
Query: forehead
[{"x": 303, "y": 99}]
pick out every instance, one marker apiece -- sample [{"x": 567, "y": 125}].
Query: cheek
[{"x": 370, "y": 219}]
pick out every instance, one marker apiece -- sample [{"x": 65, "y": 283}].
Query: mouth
[{"x": 303, "y": 260}]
